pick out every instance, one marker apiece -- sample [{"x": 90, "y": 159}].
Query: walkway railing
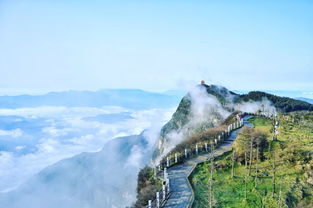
[{"x": 200, "y": 148}]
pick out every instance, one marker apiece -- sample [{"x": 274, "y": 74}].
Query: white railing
[{"x": 203, "y": 147}]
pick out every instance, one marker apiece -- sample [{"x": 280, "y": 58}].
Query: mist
[
  {"x": 264, "y": 106},
  {"x": 75, "y": 157},
  {"x": 206, "y": 111}
]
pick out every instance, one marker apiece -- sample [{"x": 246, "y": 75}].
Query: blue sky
[{"x": 155, "y": 45}]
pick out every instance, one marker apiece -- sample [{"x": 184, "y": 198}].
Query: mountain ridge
[
  {"x": 82, "y": 180},
  {"x": 129, "y": 98},
  {"x": 228, "y": 101}
]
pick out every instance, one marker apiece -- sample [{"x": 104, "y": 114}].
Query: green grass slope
[{"x": 292, "y": 154}]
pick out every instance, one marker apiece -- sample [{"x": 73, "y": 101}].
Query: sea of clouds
[{"x": 32, "y": 139}]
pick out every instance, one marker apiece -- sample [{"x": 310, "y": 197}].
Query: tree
[
  {"x": 251, "y": 153},
  {"x": 233, "y": 164},
  {"x": 246, "y": 175},
  {"x": 211, "y": 176},
  {"x": 274, "y": 173},
  {"x": 250, "y": 140},
  {"x": 256, "y": 167}
]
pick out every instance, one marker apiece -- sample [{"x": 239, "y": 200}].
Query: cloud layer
[{"x": 34, "y": 138}]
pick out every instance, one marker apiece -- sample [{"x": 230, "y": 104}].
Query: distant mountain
[
  {"x": 178, "y": 93},
  {"x": 128, "y": 98},
  {"x": 88, "y": 180},
  {"x": 305, "y": 99},
  {"x": 283, "y": 93}
]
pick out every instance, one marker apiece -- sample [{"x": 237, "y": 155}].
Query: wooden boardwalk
[{"x": 182, "y": 194}]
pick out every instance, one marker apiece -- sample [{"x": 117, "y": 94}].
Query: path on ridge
[{"x": 182, "y": 194}]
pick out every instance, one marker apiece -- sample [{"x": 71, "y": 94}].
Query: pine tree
[
  {"x": 274, "y": 174},
  {"x": 256, "y": 166},
  {"x": 233, "y": 164},
  {"x": 251, "y": 151},
  {"x": 246, "y": 175},
  {"x": 211, "y": 177}
]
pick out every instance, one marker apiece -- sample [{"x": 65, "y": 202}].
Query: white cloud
[
  {"x": 57, "y": 112},
  {"x": 11, "y": 133},
  {"x": 265, "y": 106},
  {"x": 135, "y": 156},
  {"x": 205, "y": 110},
  {"x": 19, "y": 147}
]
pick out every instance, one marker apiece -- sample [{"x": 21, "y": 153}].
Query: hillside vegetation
[
  {"x": 283, "y": 104},
  {"x": 262, "y": 171},
  {"x": 147, "y": 186}
]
